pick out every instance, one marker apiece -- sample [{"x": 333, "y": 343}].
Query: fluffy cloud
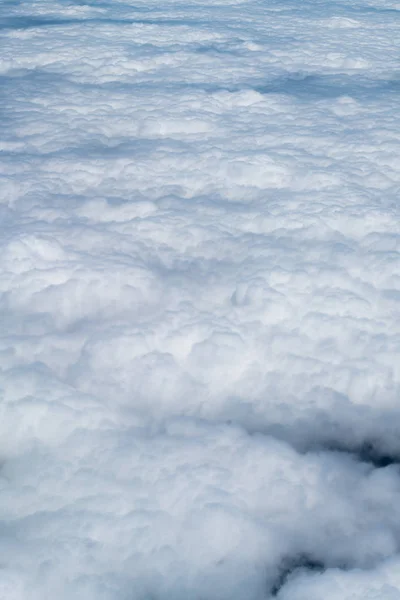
[{"x": 199, "y": 292}]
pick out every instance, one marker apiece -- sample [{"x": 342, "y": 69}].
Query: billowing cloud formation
[{"x": 200, "y": 287}]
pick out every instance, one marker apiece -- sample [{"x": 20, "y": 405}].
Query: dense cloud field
[{"x": 200, "y": 300}]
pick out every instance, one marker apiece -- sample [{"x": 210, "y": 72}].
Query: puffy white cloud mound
[{"x": 199, "y": 300}]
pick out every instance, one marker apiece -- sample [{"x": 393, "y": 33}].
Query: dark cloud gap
[
  {"x": 301, "y": 86},
  {"x": 31, "y": 22},
  {"x": 319, "y": 86},
  {"x": 95, "y": 150},
  {"x": 374, "y": 452},
  {"x": 367, "y": 452},
  {"x": 386, "y": 10},
  {"x": 113, "y": 6},
  {"x": 28, "y": 22},
  {"x": 306, "y": 89},
  {"x": 293, "y": 564}
]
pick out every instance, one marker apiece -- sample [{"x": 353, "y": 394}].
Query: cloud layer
[{"x": 200, "y": 299}]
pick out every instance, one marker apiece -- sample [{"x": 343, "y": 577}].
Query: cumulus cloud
[{"x": 199, "y": 293}]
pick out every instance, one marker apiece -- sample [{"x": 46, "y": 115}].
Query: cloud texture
[{"x": 200, "y": 300}]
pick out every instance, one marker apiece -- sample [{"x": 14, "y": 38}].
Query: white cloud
[{"x": 199, "y": 295}]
